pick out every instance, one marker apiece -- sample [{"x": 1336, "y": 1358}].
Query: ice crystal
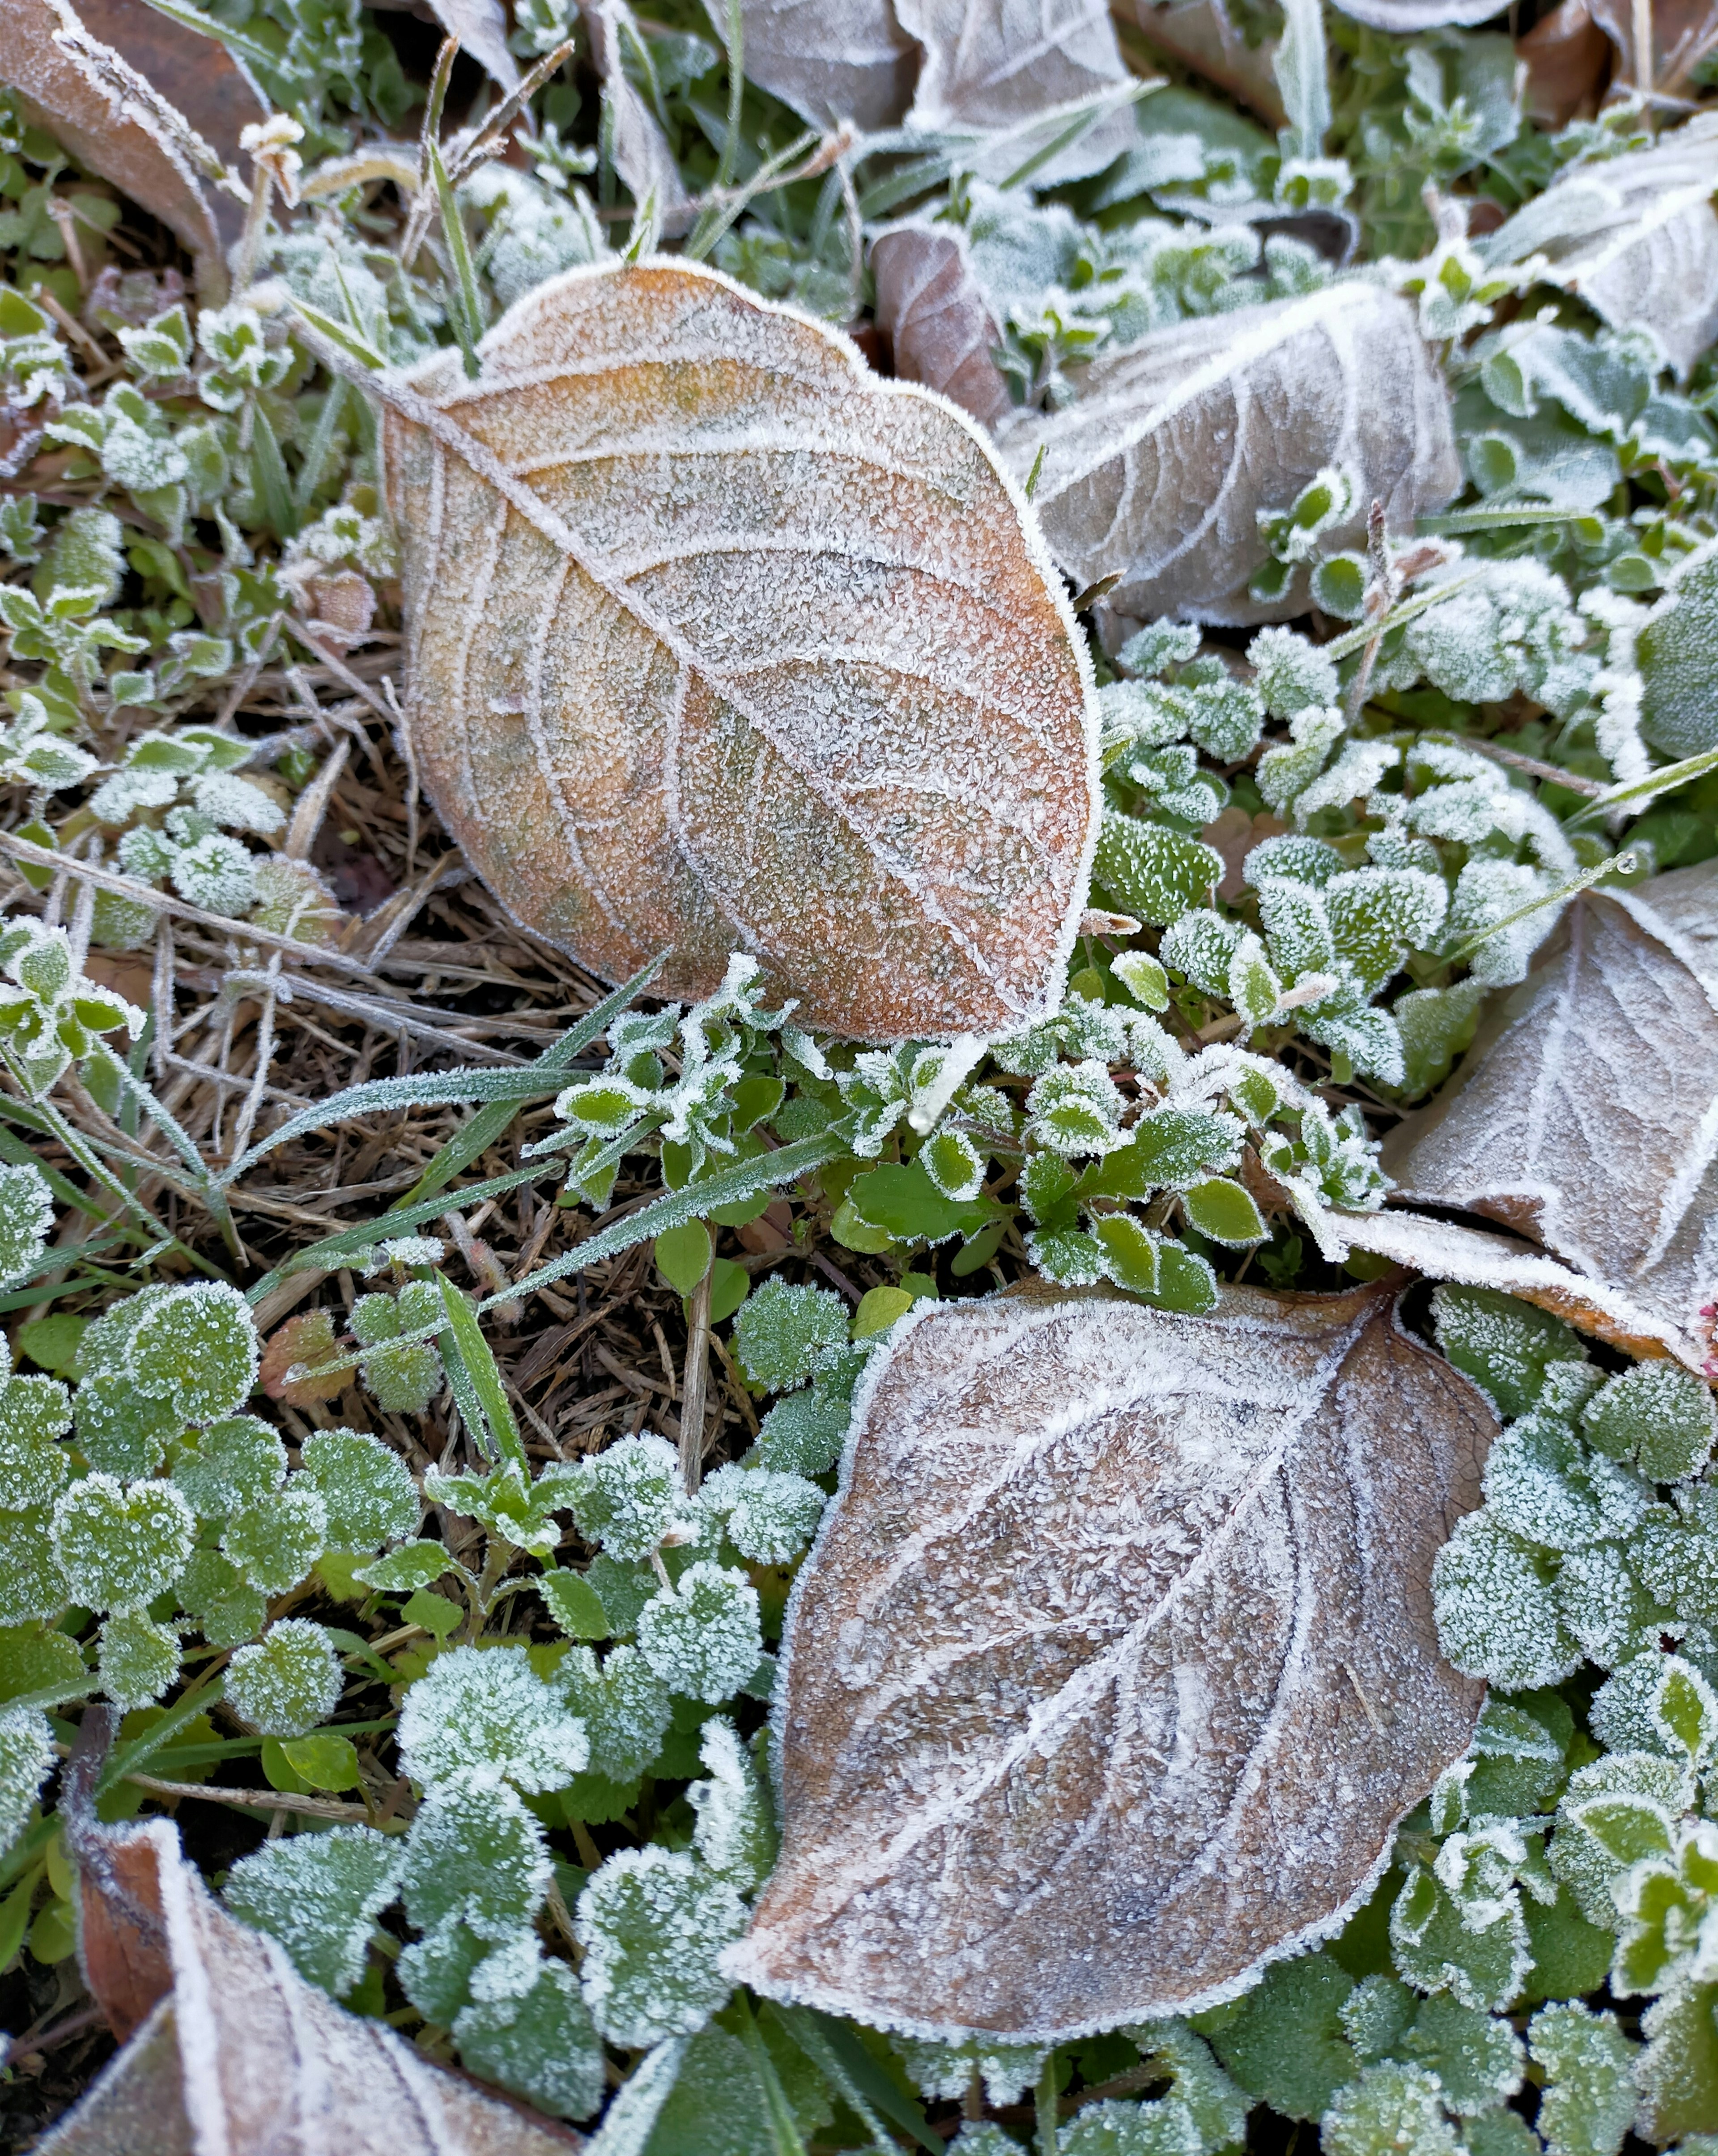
[
  {"x": 288, "y": 1682},
  {"x": 26, "y": 1221},
  {"x": 401, "y": 1380},
  {"x": 484, "y": 1715},
  {"x": 1668, "y": 1902},
  {"x": 233, "y": 1464},
  {"x": 1588, "y": 2102},
  {"x": 121, "y": 1430},
  {"x": 1504, "y": 1345},
  {"x": 475, "y": 1856},
  {"x": 542, "y": 2046},
  {"x": 767, "y": 1516},
  {"x": 120, "y": 1548},
  {"x": 275, "y": 1542},
  {"x": 34, "y": 1470},
  {"x": 1290, "y": 674},
  {"x": 369, "y": 1495},
  {"x": 508, "y": 1503},
  {"x": 319, "y": 1894},
  {"x": 435, "y": 1972},
  {"x": 195, "y": 1347},
  {"x": 626, "y": 1497},
  {"x": 26, "y": 1756},
  {"x": 139, "y": 1660},
  {"x": 1545, "y": 1485},
  {"x": 945, "y": 2072},
  {"x": 703, "y": 1637},
  {"x": 624, "y": 1706},
  {"x": 735, "y": 1832},
  {"x": 653, "y": 1922},
  {"x": 1390, "y": 2111},
  {"x": 31, "y": 1582},
  {"x": 784, "y": 1333},
  {"x": 1656, "y": 1414}
]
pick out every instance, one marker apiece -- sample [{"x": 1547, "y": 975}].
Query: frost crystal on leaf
[
  {"x": 1589, "y": 2099},
  {"x": 626, "y": 1497},
  {"x": 275, "y": 1542},
  {"x": 120, "y": 1547},
  {"x": 624, "y": 1706},
  {"x": 653, "y": 1923},
  {"x": 541, "y": 2045},
  {"x": 288, "y": 1682},
  {"x": 26, "y": 1755},
  {"x": 26, "y": 1221},
  {"x": 139, "y": 1660},
  {"x": 235, "y": 1463},
  {"x": 368, "y": 1491},
  {"x": 484, "y": 1714},
  {"x": 1390, "y": 2111},
  {"x": 767, "y": 1516},
  {"x": 476, "y": 1857},
  {"x": 736, "y": 1834},
  {"x": 319, "y": 1894},
  {"x": 702, "y": 1637},
  {"x": 785, "y": 1333}
]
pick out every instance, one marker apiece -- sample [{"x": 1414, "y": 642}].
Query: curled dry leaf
[
  {"x": 833, "y": 59},
  {"x": 642, "y": 156},
  {"x": 1159, "y": 470},
  {"x": 716, "y": 642},
  {"x": 1201, "y": 35},
  {"x": 1568, "y": 57},
  {"x": 146, "y": 104},
  {"x": 481, "y": 28},
  {"x": 1683, "y": 32},
  {"x": 240, "y": 2055},
  {"x": 933, "y": 311},
  {"x": 1587, "y": 1115},
  {"x": 1636, "y": 237},
  {"x": 1114, "y": 1667}
]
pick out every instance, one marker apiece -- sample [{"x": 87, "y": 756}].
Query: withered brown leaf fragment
[
  {"x": 1115, "y": 1666},
  {"x": 1587, "y": 1112},
  {"x": 833, "y": 59},
  {"x": 933, "y": 311},
  {"x": 1174, "y": 444},
  {"x": 716, "y": 642},
  {"x": 242, "y": 2057},
  {"x": 126, "y": 91}
]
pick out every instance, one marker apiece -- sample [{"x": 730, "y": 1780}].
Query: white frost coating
[
  {"x": 653, "y": 1922},
  {"x": 1078, "y": 1543},
  {"x": 1588, "y": 1112},
  {"x": 288, "y": 1682},
  {"x": 788, "y": 583},
  {"x": 1129, "y": 480},
  {"x": 485, "y": 1714}
]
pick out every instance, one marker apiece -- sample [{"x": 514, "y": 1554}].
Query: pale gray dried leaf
[
  {"x": 642, "y": 156},
  {"x": 243, "y": 2058},
  {"x": 143, "y": 102},
  {"x": 481, "y": 28},
  {"x": 1158, "y": 471},
  {"x": 932, "y": 308},
  {"x": 1587, "y": 1112},
  {"x": 717, "y": 642},
  {"x": 995, "y": 65},
  {"x": 833, "y": 59},
  {"x": 1115, "y": 1666},
  {"x": 1406, "y": 19},
  {"x": 1635, "y": 237},
  {"x": 1203, "y": 37}
]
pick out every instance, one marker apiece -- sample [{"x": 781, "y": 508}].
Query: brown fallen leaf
[
  {"x": 1115, "y": 1666},
  {"x": 996, "y": 64},
  {"x": 133, "y": 95},
  {"x": 1585, "y": 1115},
  {"x": 717, "y": 642},
  {"x": 1684, "y": 33},
  {"x": 1175, "y": 443},
  {"x": 225, "y": 2046},
  {"x": 481, "y": 28},
  {"x": 933, "y": 311},
  {"x": 1201, "y": 35},
  {"x": 1636, "y": 237},
  {"x": 833, "y": 59},
  {"x": 1568, "y": 57}
]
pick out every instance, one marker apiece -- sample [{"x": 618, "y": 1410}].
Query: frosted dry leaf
[
  {"x": 716, "y": 641},
  {"x": 481, "y": 28},
  {"x": 932, "y": 308},
  {"x": 1203, "y": 36},
  {"x": 994, "y": 65},
  {"x": 99, "y": 80},
  {"x": 1159, "y": 470},
  {"x": 1115, "y": 1664},
  {"x": 1407, "y": 18},
  {"x": 1587, "y": 1113},
  {"x": 847, "y": 61},
  {"x": 1635, "y": 237},
  {"x": 642, "y": 155},
  {"x": 241, "y": 2055}
]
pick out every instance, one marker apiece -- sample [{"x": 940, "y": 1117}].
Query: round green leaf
[{"x": 683, "y": 1255}]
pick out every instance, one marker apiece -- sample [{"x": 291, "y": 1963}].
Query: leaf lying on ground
[
  {"x": 1407, "y": 18},
  {"x": 1159, "y": 471},
  {"x": 1587, "y": 1113},
  {"x": 995, "y": 65},
  {"x": 103, "y": 86},
  {"x": 715, "y": 641},
  {"x": 1683, "y": 33},
  {"x": 1115, "y": 1666},
  {"x": 833, "y": 59},
  {"x": 1636, "y": 237},
  {"x": 933, "y": 311},
  {"x": 1202, "y": 36},
  {"x": 239, "y": 2054},
  {"x": 481, "y": 28},
  {"x": 1568, "y": 57}
]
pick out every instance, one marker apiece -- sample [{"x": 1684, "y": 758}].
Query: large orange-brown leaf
[
  {"x": 1587, "y": 1116},
  {"x": 129, "y": 93},
  {"x": 1115, "y": 1666},
  {"x": 240, "y": 2055},
  {"x": 717, "y": 642}
]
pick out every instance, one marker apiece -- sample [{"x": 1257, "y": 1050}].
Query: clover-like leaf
[
  {"x": 713, "y": 638},
  {"x": 1110, "y": 1603}
]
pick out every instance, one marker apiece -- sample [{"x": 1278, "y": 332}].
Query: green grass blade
[
  {"x": 465, "y": 310},
  {"x": 1666, "y": 780},
  {"x": 831, "y": 2047},
  {"x": 485, "y": 1377},
  {"x": 431, "y": 1088}
]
